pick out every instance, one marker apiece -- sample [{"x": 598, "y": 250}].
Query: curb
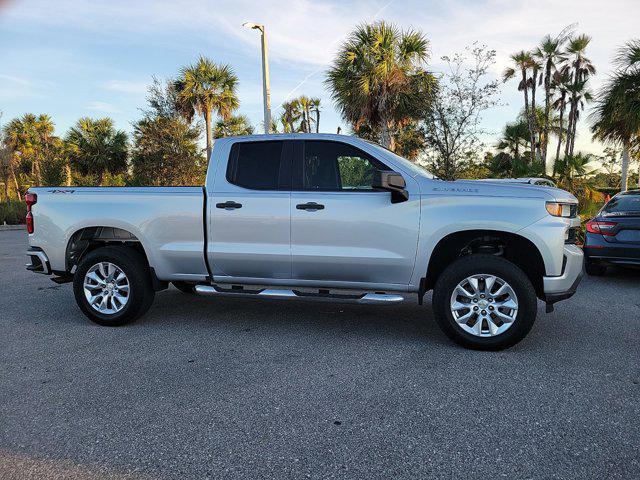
[{"x": 4, "y": 228}]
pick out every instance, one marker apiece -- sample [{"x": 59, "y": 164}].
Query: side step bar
[{"x": 363, "y": 299}]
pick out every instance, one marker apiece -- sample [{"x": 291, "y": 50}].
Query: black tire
[
  {"x": 485, "y": 264},
  {"x": 595, "y": 270},
  {"x": 135, "y": 267},
  {"x": 184, "y": 287}
]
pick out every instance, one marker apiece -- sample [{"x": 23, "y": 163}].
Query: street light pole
[{"x": 265, "y": 74}]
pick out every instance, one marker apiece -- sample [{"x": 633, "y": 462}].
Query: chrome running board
[{"x": 268, "y": 293}]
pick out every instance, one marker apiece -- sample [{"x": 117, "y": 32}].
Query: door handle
[
  {"x": 230, "y": 205},
  {"x": 311, "y": 206}
]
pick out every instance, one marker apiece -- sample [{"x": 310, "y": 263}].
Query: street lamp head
[{"x": 252, "y": 25}]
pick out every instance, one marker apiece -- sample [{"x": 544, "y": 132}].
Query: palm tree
[
  {"x": 31, "y": 138},
  {"x": 291, "y": 113},
  {"x": 524, "y": 63},
  {"x": 580, "y": 68},
  {"x": 234, "y": 126},
  {"x": 514, "y": 136},
  {"x": 305, "y": 109},
  {"x": 617, "y": 113},
  {"x": 96, "y": 147},
  {"x": 561, "y": 82},
  {"x": 572, "y": 170},
  {"x": 550, "y": 53},
  {"x": 315, "y": 108},
  {"x": 206, "y": 88},
  {"x": 374, "y": 77}
]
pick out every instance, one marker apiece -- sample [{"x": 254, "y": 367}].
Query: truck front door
[{"x": 342, "y": 230}]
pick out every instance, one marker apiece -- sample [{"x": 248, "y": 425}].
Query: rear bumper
[
  {"x": 600, "y": 251},
  {"x": 564, "y": 286},
  {"x": 39, "y": 262},
  {"x": 611, "y": 260}
]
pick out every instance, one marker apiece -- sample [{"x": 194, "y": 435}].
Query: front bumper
[{"x": 564, "y": 286}]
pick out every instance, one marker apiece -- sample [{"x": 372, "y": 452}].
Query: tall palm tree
[
  {"x": 524, "y": 63},
  {"x": 373, "y": 78},
  {"x": 96, "y": 147},
  {"x": 234, "y": 126},
  {"x": 580, "y": 68},
  {"x": 304, "y": 103},
  {"x": 617, "y": 113},
  {"x": 315, "y": 108},
  {"x": 561, "y": 82},
  {"x": 551, "y": 55},
  {"x": 206, "y": 88}
]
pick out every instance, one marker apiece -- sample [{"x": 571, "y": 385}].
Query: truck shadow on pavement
[{"x": 407, "y": 320}]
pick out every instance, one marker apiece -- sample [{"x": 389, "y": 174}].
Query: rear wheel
[
  {"x": 484, "y": 302},
  {"x": 112, "y": 285}
]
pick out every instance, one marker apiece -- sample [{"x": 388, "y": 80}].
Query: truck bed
[{"x": 168, "y": 221}]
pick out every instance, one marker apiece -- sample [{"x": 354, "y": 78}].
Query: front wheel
[
  {"x": 484, "y": 302},
  {"x": 112, "y": 285}
]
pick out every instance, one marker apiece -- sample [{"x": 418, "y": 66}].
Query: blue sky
[{"x": 95, "y": 58}]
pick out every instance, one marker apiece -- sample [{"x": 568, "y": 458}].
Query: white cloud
[
  {"x": 102, "y": 107},
  {"x": 17, "y": 88},
  {"x": 126, "y": 86}
]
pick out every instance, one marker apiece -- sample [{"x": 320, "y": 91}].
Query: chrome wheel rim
[
  {"x": 484, "y": 305},
  {"x": 106, "y": 288}
]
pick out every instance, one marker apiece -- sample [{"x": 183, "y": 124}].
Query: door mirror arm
[{"x": 392, "y": 182}]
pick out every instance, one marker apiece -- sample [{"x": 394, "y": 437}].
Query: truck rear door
[{"x": 249, "y": 213}]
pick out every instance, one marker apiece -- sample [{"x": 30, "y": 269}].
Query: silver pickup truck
[{"x": 316, "y": 217}]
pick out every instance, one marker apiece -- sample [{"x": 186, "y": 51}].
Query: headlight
[{"x": 558, "y": 209}]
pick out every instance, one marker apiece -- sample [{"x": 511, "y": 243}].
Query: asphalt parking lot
[{"x": 211, "y": 388}]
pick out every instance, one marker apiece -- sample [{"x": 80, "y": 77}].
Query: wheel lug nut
[
  {"x": 482, "y": 296},
  {"x": 475, "y": 309},
  {"x": 490, "y": 307},
  {"x": 475, "y": 300},
  {"x": 491, "y": 299},
  {"x": 484, "y": 312}
]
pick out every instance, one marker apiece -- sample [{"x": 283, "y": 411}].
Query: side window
[
  {"x": 333, "y": 166},
  {"x": 256, "y": 165}
]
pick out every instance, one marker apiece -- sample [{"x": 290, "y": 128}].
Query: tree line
[{"x": 384, "y": 90}]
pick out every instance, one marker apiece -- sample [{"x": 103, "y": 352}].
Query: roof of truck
[{"x": 289, "y": 136}]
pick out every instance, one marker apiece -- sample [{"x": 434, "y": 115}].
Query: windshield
[
  {"x": 623, "y": 204},
  {"x": 410, "y": 166}
]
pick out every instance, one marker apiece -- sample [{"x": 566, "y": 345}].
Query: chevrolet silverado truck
[{"x": 315, "y": 217}]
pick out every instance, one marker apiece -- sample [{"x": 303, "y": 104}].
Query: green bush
[{"x": 12, "y": 212}]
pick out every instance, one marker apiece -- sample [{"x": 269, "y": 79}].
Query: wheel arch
[
  {"x": 89, "y": 238},
  {"x": 513, "y": 247},
  {"x": 86, "y": 239}
]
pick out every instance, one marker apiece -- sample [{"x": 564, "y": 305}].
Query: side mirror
[{"x": 392, "y": 182}]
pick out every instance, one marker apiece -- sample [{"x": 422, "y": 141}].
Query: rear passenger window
[{"x": 256, "y": 165}]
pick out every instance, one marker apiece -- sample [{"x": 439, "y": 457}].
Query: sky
[{"x": 71, "y": 59}]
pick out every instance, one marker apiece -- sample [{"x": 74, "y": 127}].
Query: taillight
[
  {"x": 31, "y": 199},
  {"x": 603, "y": 228}
]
